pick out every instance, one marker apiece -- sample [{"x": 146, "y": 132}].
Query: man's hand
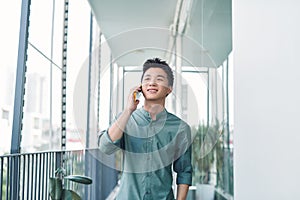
[
  {"x": 132, "y": 102},
  {"x": 115, "y": 132}
]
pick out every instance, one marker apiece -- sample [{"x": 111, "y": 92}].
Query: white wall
[{"x": 267, "y": 99}]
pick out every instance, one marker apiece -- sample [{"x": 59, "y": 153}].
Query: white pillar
[{"x": 266, "y": 89}]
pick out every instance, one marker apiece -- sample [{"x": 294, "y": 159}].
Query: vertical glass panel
[
  {"x": 77, "y": 71},
  {"x": 194, "y": 96},
  {"x": 43, "y": 78},
  {"x": 10, "y": 12}
]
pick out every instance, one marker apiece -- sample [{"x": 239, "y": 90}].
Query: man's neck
[{"x": 154, "y": 108}]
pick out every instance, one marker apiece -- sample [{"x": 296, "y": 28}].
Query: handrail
[
  {"x": 35, "y": 169},
  {"x": 41, "y": 152}
]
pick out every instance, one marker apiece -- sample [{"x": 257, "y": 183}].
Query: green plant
[
  {"x": 4, "y": 182},
  {"x": 207, "y": 148},
  {"x": 58, "y": 192}
]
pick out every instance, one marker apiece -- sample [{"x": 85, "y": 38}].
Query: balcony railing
[{"x": 34, "y": 170}]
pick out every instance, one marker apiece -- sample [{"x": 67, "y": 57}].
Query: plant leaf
[
  {"x": 55, "y": 188},
  {"x": 79, "y": 179},
  {"x": 70, "y": 195}
]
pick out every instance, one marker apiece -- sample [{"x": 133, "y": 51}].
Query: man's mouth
[{"x": 152, "y": 90}]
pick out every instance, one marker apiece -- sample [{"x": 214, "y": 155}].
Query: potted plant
[
  {"x": 58, "y": 192},
  {"x": 206, "y": 157}
]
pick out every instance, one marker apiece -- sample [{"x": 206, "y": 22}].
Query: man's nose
[{"x": 152, "y": 82}]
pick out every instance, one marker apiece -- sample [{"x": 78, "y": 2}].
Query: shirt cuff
[
  {"x": 106, "y": 145},
  {"x": 184, "y": 178}
]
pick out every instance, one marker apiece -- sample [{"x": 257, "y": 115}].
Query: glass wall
[
  {"x": 42, "y": 101},
  {"x": 10, "y": 12},
  {"x": 201, "y": 98}
]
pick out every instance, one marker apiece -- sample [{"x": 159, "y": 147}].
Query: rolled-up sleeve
[
  {"x": 106, "y": 145},
  {"x": 183, "y": 168},
  {"x": 183, "y": 165}
]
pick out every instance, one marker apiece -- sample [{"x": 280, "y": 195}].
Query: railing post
[
  {"x": 14, "y": 175},
  {"x": 64, "y": 82}
]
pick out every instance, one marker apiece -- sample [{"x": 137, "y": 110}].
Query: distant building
[{"x": 6, "y": 107}]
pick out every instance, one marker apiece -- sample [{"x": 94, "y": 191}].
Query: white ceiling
[{"x": 140, "y": 29}]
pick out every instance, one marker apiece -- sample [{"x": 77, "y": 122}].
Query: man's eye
[{"x": 146, "y": 79}]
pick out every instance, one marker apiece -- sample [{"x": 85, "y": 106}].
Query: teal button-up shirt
[{"x": 150, "y": 149}]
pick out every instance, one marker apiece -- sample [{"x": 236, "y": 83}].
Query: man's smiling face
[{"x": 155, "y": 84}]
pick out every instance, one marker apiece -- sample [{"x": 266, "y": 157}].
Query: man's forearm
[
  {"x": 115, "y": 132},
  {"x": 182, "y": 190}
]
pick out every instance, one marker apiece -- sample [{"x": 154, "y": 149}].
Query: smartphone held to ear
[{"x": 138, "y": 94}]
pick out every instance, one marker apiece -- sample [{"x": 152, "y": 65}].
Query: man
[{"x": 152, "y": 140}]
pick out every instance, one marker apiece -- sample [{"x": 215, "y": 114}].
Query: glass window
[
  {"x": 36, "y": 123},
  {"x": 10, "y": 12},
  {"x": 5, "y": 114}
]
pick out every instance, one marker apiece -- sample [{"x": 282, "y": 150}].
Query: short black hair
[{"x": 158, "y": 63}]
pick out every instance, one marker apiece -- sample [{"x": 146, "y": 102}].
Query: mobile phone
[{"x": 137, "y": 95}]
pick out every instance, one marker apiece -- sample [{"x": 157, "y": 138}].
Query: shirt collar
[{"x": 160, "y": 115}]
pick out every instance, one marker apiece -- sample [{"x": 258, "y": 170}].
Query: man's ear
[{"x": 170, "y": 89}]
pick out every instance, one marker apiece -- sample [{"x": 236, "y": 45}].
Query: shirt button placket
[
  {"x": 148, "y": 174},
  {"x": 148, "y": 195},
  {"x": 150, "y": 150}
]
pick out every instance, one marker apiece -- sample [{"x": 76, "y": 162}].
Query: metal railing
[{"x": 35, "y": 169}]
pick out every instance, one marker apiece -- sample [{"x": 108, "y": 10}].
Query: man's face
[{"x": 155, "y": 84}]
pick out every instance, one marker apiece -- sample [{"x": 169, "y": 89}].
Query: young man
[{"x": 152, "y": 140}]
